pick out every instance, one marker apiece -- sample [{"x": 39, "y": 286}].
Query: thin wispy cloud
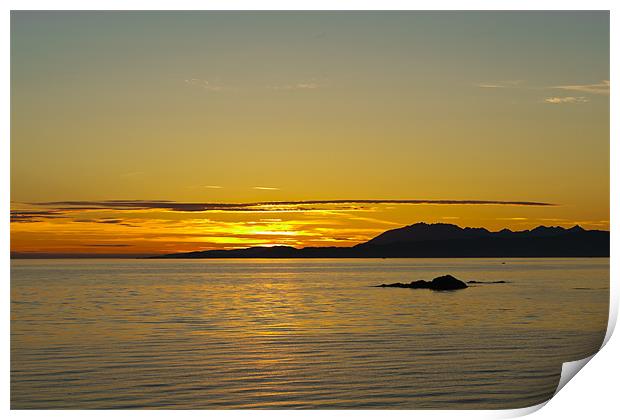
[
  {"x": 108, "y": 245},
  {"x": 601, "y": 88},
  {"x": 204, "y": 84},
  {"x": 297, "y": 86},
  {"x": 266, "y": 188},
  {"x": 500, "y": 84},
  {"x": 567, "y": 100},
  {"x": 209, "y": 187},
  {"x": 310, "y": 85},
  {"x": 28, "y": 216},
  {"x": 214, "y": 86},
  {"x": 60, "y": 208},
  {"x": 107, "y": 221}
]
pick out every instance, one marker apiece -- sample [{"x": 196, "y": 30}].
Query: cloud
[
  {"x": 601, "y": 88},
  {"x": 500, "y": 85},
  {"x": 266, "y": 188},
  {"x": 297, "y": 86},
  {"x": 263, "y": 206},
  {"x": 567, "y": 100},
  {"x": 204, "y": 84},
  {"x": 210, "y": 187},
  {"x": 307, "y": 86},
  {"x": 214, "y": 86},
  {"x": 109, "y": 245},
  {"x": 106, "y": 221},
  {"x": 29, "y": 216}
]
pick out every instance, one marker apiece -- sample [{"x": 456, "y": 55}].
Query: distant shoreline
[
  {"x": 420, "y": 240},
  {"x": 157, "y": 257}
]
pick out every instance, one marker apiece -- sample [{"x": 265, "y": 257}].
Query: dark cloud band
[{"x": 260, "y": 205}]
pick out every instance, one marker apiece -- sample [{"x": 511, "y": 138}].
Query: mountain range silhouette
[{"x": 441, "y": 240}]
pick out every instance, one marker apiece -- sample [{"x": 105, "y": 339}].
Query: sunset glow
[{"x": 222, "y": 130}]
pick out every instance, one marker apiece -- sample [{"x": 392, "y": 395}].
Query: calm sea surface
[{"x": 298, "y": 333}]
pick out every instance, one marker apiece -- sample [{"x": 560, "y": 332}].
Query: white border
[{"x": 592, "y": 395}]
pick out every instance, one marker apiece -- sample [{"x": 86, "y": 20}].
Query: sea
[{"x": 299, "y": 333}]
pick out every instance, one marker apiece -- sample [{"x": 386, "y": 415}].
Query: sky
[{"x": 136, "y": 133}]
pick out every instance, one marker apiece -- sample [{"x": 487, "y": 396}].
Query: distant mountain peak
[
  {"x": 445, "y": 231},
  {"x": 543, "y": 228},
  {"x": 426, "y": 232},
  {"x": 427, "y": 240}
]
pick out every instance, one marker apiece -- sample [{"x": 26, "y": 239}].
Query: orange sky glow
[{"x": 260, "y": 128}]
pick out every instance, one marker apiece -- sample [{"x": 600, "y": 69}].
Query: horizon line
[{"x": 78, "y": 255}]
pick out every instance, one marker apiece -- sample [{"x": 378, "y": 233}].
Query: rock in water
[{"x": 447, "y": 282}]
